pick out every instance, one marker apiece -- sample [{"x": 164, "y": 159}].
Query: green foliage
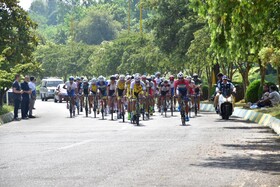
[
  {"x": 17, "y": 42},
  {"x": 63, "y": 60},
  {"x": 251, "y": 93},
  {"x": 128, "y": 54},
  {"x": 173, "y": 25},
  {"x": 6, "y": 109},
  {"x": 96, "y": 27}
]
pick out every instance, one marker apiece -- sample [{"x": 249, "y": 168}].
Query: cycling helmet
[
  {"x": 122, "y": 77},
  {"x": 189, "y": 77},
  {"x": 165, "y": 81},
  {"x": 101, "y": 78},
  {"x": 157, "y": 73},
  {"x": 137, "y": 78},
  {"x": 225, "y": 77},
  {"x": 149, "y": 78},
  {"x": 85, "y": 80},
  {"x": 128, "y": 77},
  {"x": 82, "y": 78},
  {"x": 78, "y": 78},
  {"x": 93, "y": 80},
  {"x": 152, "y": 77},
  {"x": 71, "y": 78},
  {"x": 171, "y": 78},
  {"x": 112, "y": 77},
  {"x": 195, "y": 75},
  {"x": 117, "y": 76},
  {"x": 144, "y": 77},
  {"x": 180, "y": 75}
]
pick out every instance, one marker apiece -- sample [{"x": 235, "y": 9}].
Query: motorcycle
[{"x": 225, "y": 106}]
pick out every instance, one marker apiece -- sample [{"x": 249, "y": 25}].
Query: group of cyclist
[{"x": 121, "y": 92}]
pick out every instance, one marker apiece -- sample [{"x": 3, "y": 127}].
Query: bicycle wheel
[
  {"x": 183, "y": 119},
  {"x": 94, "y": 106},
  {"x": 171, "y": 106},
  {"x": 86, "y": 106},
  {"x": 70, "y": 107},
  {"x": 195, "y": 106},
  {"x": 165, "y": 107}
]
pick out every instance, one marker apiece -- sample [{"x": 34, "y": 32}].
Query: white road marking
[{"x": 75, "y": 144}]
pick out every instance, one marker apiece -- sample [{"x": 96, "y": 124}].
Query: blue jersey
[{"x": 102, "y": 87}]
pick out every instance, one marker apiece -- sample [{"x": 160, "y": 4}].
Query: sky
[{"x": 25, "y": 4}]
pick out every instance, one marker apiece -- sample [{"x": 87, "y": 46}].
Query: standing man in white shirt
[{"x": 32, "y": 100}]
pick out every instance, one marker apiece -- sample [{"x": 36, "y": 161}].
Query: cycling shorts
[
  {"x": 111, "y": 93},
  {"x": 120, "y": 92},
  {"x": 163, "y": 93}
]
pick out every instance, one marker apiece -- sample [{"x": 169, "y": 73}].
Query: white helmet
[
  {"x": 122, "y": 77},
  {"x": 101, "y": 78},
  {"x": 180, "y": 75},
  {"x": 137, "y": 78},
  {"x": 93, "y": 80},
  {"x": 189, "y": 77}
]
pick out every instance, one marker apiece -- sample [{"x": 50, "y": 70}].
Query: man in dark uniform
[
  {"x": 25, "y": 98},
  {"x": 17, "y": 96}
]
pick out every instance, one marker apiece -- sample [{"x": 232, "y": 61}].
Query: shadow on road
[
  {"x": 264, "y": 163},
  {"x": 253, "y": 155},
  {"x": 234, "y": 120}
]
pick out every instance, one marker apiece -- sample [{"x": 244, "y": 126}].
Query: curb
[
  {"x": 5, "y": 118},
  {"x": 257, "y": 117}
]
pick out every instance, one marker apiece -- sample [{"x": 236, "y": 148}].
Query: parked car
[
  {"x": 60, "y": 94},
  {"x": 48, "y": 88}
]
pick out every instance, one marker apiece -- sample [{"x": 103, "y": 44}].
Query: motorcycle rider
[{"x": 226, "y": 88}]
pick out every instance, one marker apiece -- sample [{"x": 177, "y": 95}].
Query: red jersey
[{"x": 182, "y": 85}]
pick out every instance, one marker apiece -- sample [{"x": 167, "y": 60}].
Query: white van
[{"x": 48, "y": 87}]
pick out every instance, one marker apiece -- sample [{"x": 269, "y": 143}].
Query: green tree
[
  {"x": 96, "y": 27},
  {"x": 17, "y": 42},
  {"x": 173, "y": 24}
]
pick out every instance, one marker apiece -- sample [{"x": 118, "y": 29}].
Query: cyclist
[
  {"x": 111, "y": 89},
  {"x": 181, "y": 87},
  {"x": 191, "y": 91},
  {"x": 72, "y": 90},
  {"x": 158, "y": 80},
  {"x": 137, "y": 88},
  {"x": 102, "y": 89},
  {"x": 171, "y": 82},
  {"x": 151, "y": 91},
  {"x": 93, "y": 92},
  {"x": 120, "y": 93},
  {"x": 79, "y": 99},
  {"x": 128, "y": 96},
  {"x": 86, "y": 89},
  {"x": 198, "y": 91},
  {"x": 165, "y": 92}
]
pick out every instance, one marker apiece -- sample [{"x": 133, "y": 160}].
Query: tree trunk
[
  {"x": 278, "y": 75},
  {"x": 262, "y": 71},
  {"x": 216, "y": 70},
  {"x": 245, "y": 74},
  {"x": 1, "y": 98}
]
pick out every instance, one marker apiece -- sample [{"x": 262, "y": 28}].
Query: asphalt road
[{"x": 54, "y": 150}]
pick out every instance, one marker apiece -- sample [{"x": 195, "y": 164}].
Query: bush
[
  {"x": 6, "y": 109},
  {"x": 252, "y": 92}
]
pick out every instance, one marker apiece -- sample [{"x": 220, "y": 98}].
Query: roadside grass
[
  {"x": 273, "y": 111},
  {"x": 6, "y": 109}
]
